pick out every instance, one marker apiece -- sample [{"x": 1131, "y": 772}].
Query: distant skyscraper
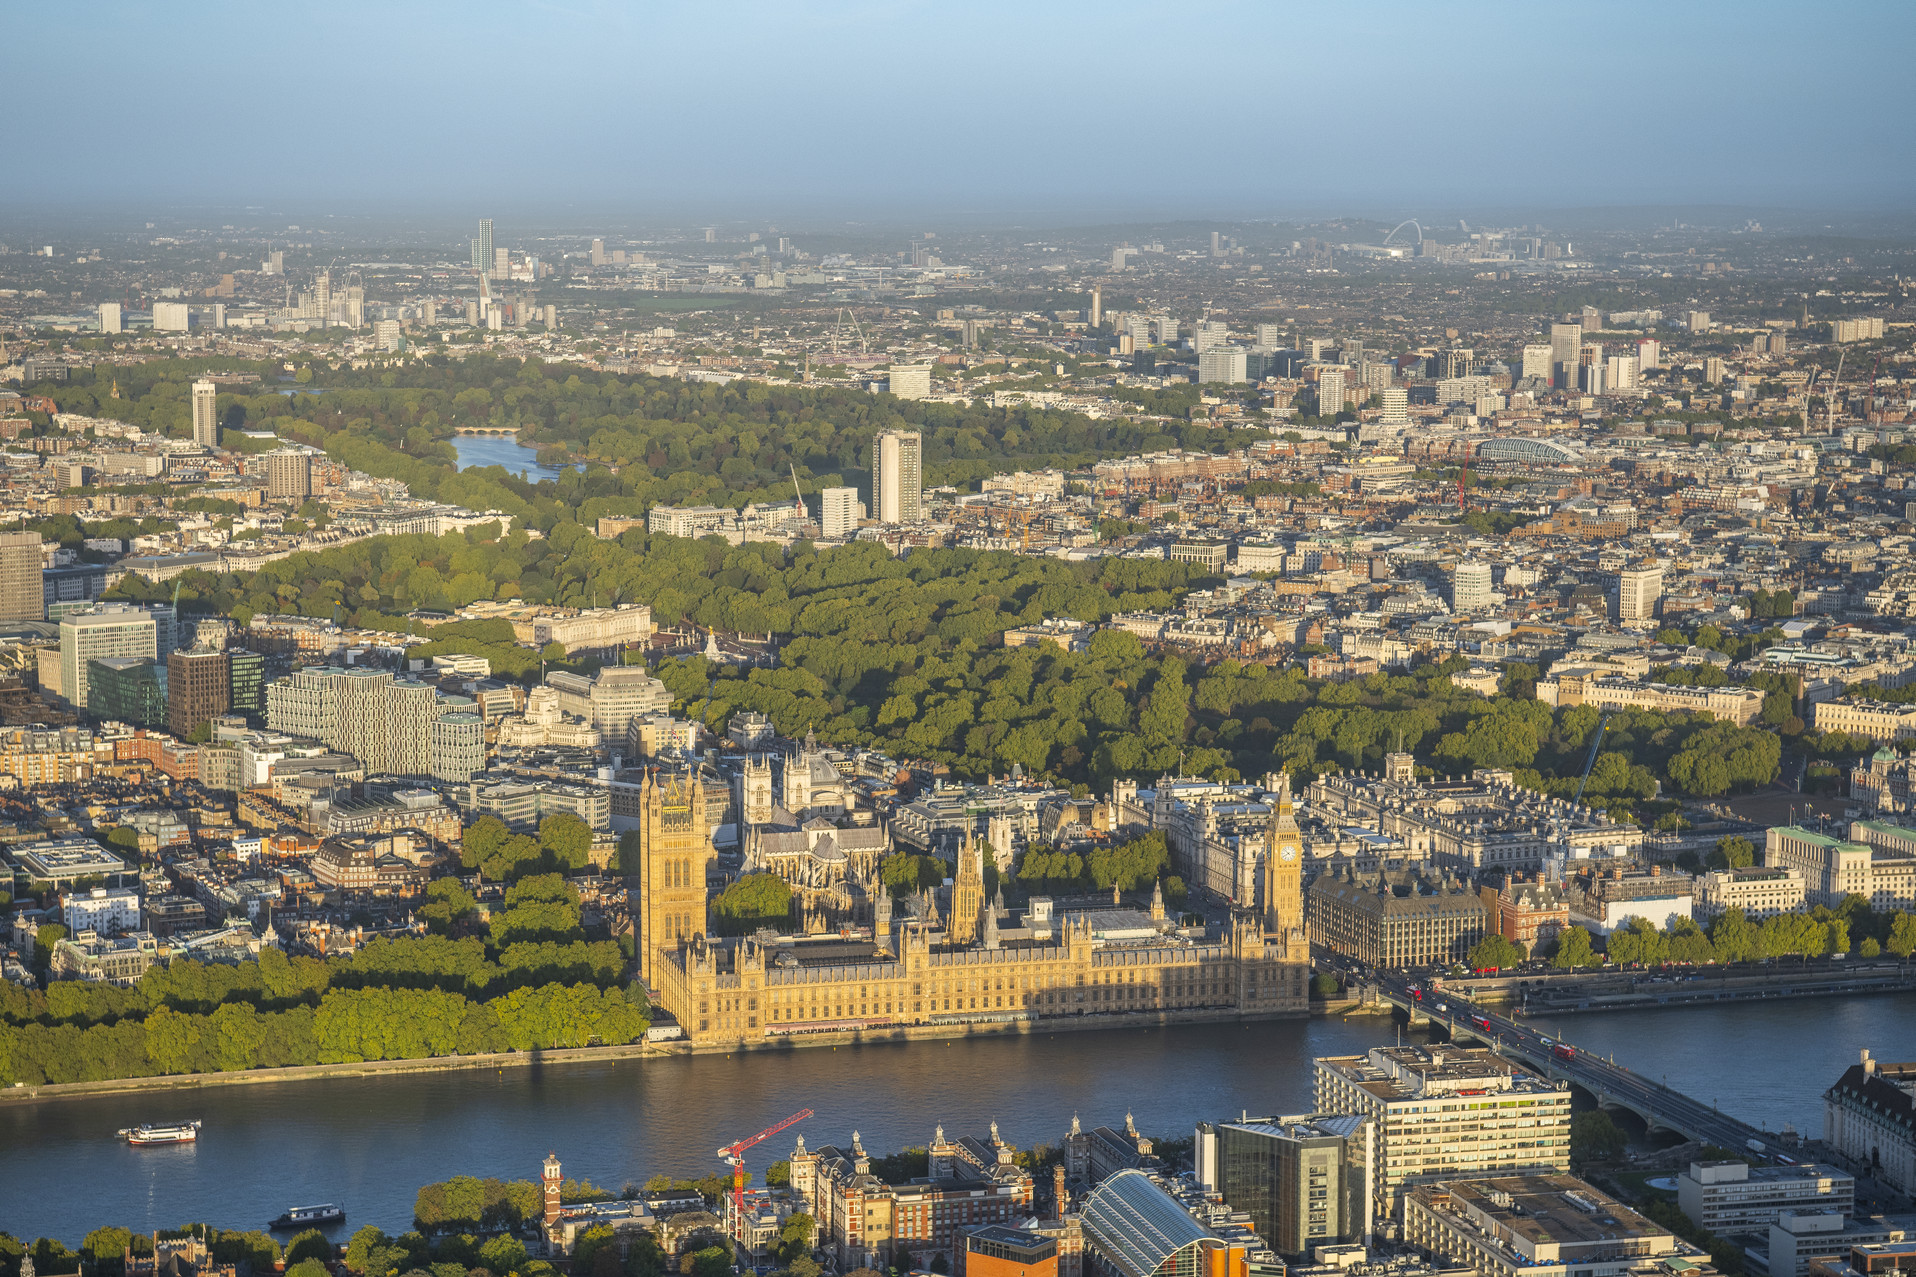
[
  {"x": 1330, "y": 391},
  {"x": 1638, "y": 590},
  {"x": 1566, "y": 352},
  {"x": 551, "y": 317},
  {"x": 598, "y": 252},
  {"x": 502, "y": 263},
  {"x": 910, "y": 381},
  {"x": 323, "y": 298},
  {"x": 110, "y": 317},
  {"x": 289, "y": 475},
  {"x": 1222, "y": 364},
  {"x": 1536, "y": 362},
  {"x": 1396, "y": 406},
  {"x": 1650, "y": 353},
  {"x": 898, "y": 476},
  {"x": 838, "y": 513},
  {"x": 1713, "y": 370},
  {"x": 482, "y": 246},
  {"x": 206, "y": 422},
  {"x": 22, "y": 597},
  {"x": 1097, "y": 305},
  {"x": 1470, "y": 587},
  {"x": 1270, "y": 337},
  {"x": 172, "y": 317}
]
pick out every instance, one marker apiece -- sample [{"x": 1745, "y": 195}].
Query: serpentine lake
[{"x": 502, "y": 450}]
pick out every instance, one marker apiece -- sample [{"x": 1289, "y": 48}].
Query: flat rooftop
[
  {"x": 1765, "y": 1174},
  {"x": 1412, "y": 1072},
  {"x": 1551, "y": 1209},
  {"x": 68, "y": 858}
]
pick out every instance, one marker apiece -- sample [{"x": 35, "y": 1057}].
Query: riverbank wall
[
  {"x": 1610, "y": 990},
  {"x": 638, "y": 1050},
  {"x": 314, "y": 1072},
  {"x": 1105, "y": 1022}
]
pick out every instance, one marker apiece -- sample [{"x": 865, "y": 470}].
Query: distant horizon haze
[{"x": 895, "y": 109}]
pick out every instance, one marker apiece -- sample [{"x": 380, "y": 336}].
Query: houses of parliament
[{"x": 976, "y": 969}]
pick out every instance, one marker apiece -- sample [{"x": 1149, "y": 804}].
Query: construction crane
[
  {"x": 839, "y": 323},
  {"x": 1463, "y": 482},
  {"x": 1021, "y": 519},
  {"x": 733, "y": 1155},
  {"x": 1836, "y": 386},
  {"x": 1591, "y": 761}
]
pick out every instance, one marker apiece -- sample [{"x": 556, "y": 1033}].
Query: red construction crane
[
  {"x": 733, "y": 1155},
  {"x": 1463, "y": 481}
]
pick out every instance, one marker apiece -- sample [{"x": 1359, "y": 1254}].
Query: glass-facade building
[
  {"x": 127, "y": 689},
  {"x": 248, "y": 673},
  {"x": 1302, "y": 1180},
  {"x": 1133, "y": 1228}
]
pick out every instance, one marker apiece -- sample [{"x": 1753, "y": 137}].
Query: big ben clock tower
[{"x": 1284, "y": 880}]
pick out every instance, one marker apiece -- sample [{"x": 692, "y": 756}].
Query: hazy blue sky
[{"x": 1114, "y": 109}]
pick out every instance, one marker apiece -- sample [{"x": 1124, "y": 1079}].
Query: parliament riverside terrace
[{"x": 970, "y": 971}]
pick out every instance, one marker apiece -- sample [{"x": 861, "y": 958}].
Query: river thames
[{"x": 368, "y": 1143}]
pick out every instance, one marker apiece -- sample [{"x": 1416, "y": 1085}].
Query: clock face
[{"x": 1287, "y": 853}]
